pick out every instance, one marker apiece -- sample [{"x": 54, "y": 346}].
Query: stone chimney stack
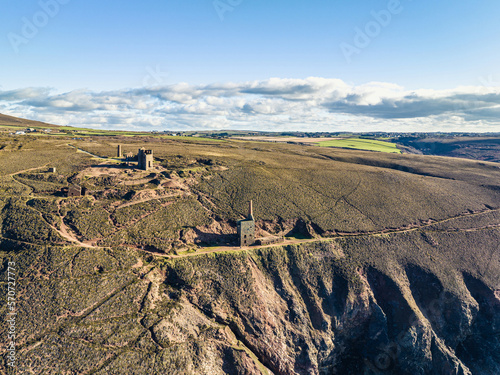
[{"x": 250, "y": 210}]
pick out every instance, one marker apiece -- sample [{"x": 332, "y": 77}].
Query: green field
[{"x": 362, "y": 144}]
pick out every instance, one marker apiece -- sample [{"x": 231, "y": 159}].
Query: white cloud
[{"x": 312, "y": 104}]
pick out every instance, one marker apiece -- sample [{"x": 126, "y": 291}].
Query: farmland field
[
  {"x": 285, "y": 139},
  {"x": 362, "y": 144}
]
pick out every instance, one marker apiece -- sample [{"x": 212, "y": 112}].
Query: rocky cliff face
[
  {"x": 302, "y": 310},
  {"x": 312, "y": 308}
]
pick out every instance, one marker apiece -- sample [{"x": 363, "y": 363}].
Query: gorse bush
[{"x": 90, "y": 223}]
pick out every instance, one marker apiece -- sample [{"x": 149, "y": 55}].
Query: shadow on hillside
[{"x": 207, "y": 239}]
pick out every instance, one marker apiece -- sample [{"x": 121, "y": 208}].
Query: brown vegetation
[{"x": 391, "y": 262}]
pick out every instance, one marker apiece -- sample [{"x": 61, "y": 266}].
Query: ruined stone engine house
[
  {"x": 246, "y": 228},
  {"x": 145, "y": 159}
]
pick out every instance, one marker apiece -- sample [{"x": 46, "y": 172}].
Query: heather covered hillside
[{"x": 389, "y": 263}]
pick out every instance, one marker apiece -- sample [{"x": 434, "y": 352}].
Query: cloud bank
[{"x": 312, "y": 104}]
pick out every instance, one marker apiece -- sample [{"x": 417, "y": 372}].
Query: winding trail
[
  {"x": 64, "y": 232},
  {"x": 27, "y": 170},
  {"x": 86, "y": 152},
  {"x": 340, "y": 235}
]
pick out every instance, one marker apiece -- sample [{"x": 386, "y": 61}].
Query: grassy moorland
[
  {"x": 334, "y": 190},
  {"x": 390, "y": 256}
]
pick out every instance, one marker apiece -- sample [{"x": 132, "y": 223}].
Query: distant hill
[
  {"x": 10, "y": 120},
  {"x": 467, "y": 146},
  {"x": 477, "y": 148}
]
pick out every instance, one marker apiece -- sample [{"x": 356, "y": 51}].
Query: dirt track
[{"x": 340, "y": 235}]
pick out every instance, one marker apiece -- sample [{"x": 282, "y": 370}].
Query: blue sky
[{"x": 434, "y": 64}]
